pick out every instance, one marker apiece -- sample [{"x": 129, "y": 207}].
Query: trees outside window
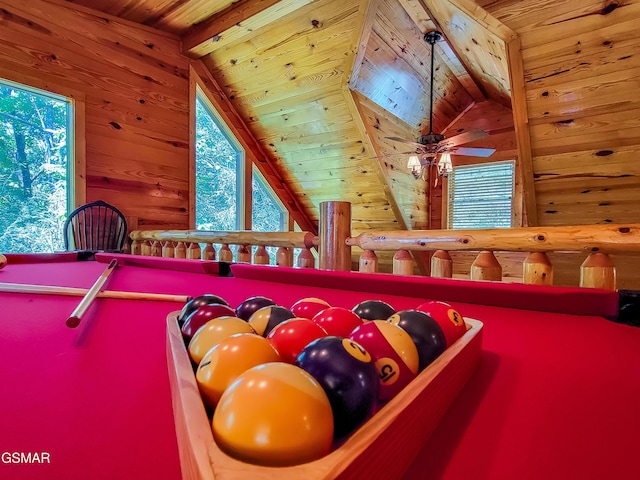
[{"x": 35, "y": 164}]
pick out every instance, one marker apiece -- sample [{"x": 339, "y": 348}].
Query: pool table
[{"x": 555, "y": 395}]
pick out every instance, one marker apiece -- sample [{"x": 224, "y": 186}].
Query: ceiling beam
[{"x": 239, "y": 21}]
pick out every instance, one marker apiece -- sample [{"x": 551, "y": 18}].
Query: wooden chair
[{"x": 96, "y": 226}]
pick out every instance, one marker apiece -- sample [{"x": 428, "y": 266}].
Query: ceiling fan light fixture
[
  {"x": 445, "y": 167},
  {"x": 414, "y": 165}
]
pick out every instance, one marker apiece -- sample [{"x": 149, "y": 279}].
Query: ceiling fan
[{"x": 434, "y": 148}]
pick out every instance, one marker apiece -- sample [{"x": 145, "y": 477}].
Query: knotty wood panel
[{"x": 135, "y": 86}]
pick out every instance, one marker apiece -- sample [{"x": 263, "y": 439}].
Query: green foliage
[{"x": 33, "y": 171}]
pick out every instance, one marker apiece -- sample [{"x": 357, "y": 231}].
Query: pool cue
[
  {"x": 81, "y": 292},
  {"x": 74, "y": 319}
]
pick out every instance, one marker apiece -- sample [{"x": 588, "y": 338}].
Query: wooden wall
[{"x": 133, "y": 84}]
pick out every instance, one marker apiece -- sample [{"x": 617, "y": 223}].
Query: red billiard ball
[
  {"x": 196, "y": 302},
  {"x": 425, "y": 332},
  {"x": 308, "y": 307},
  {"x": 213, "y": 332},
  {"x": 394, "y": 353},
  {"x": 373, "y": 310},
  {"x": 449, "y": 319},
  {"x": 197, "y": 318},
  {"x": 251, "y": 305},
  {"x": 337, "y": 321},
  {"x": 274, "y": 414},
  {"x": 266, "y": 318},
  {"x": 348, "y": 376},
  {"x": 291, "y": 336}
]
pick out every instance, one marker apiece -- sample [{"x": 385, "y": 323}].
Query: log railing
[{"x": 335, "y": 243}]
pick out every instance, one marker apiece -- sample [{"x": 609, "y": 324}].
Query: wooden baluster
[
  {"x": 486, "y": 267},
  {"x": 261, "y": 257},
  {"x": 368, "y": 262},
  {"x": 598, "y": 271},
  {"x": 284, "y": 257},
  {"x": 226, "y": 255},
  {"x": 168, "y": 250},
  {"x": 537, "y": 269},
  {"x": 402, "y": 263},
  {"x": 180, "y": 250},
  {"x": 146, "y": 248},
  {"x": 209, "y": 252},
  {"x": 156, "y": 249},
  {"x": 441, "y": 264},
  {"x": 306, "y": 259},
  {"x": 244, "y": 254},
  {"x": 136, "y": 247},
  {"x": 126, "y": 248},
  {"x": 193, "y": 252}
]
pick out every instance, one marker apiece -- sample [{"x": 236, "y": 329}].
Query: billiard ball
[
  {"x": 449, "y": 319},
  {"x": 338, "y": 321},
  {"x": 275, "y": 414},
  {"x": 349, "y": 377},
  {"x": 3, "y": 261},
  {"x": 233, "y": 356},
  {"x": 196, "y": 302},
  {"x": 291, "y": 336},
  {"x": 308, "y": 307},
  {"x": 425, "y": 332},
  {"x": 194, "y": 320},
  {"x": 250, "y": 305},
  {"x": 373, "y": 310},
  {"x": 213, "y": 332},
  {"x": 394, "y": 353},
  {"x": 264, "y": 319}
]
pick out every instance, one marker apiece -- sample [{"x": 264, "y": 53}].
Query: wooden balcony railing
[{"x": 334, "y": 244}]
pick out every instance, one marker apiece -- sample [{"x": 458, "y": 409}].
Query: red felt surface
[{"x": 554, "y": 396}]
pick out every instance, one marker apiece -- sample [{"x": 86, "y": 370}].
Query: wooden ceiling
[{"x": 321, "y": 83}]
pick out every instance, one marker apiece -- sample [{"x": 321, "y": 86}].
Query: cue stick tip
[{"x": 73, "y": 322}]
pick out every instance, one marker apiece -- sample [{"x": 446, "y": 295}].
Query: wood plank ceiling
[{"x": 321, "y": 83}]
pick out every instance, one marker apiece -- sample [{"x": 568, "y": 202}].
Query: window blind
[{"x": 480, "y": 196}]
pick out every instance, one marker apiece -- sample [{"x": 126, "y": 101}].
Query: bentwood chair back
[{"x": 96, "y": 226}]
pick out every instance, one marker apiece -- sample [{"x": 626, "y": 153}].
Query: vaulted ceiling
[{"x": 322, "y": 83}]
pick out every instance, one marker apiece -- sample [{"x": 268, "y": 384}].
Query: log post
[
  {"x": 598, "y": 271},
  {"x": 156, "y": 249},
  {"x": 441, "y": 264},
  {"x": 244, "y": 254},
  {"x": 193, "y": 251},
  {"x": 334, "y": 229},
  {"x": 261, "y": 257},
  {"x": 306, "y": 259},
  {"x": 209, "y": 253},
  {"x": 486, "y": 267},
  {"x": 226, "y": 255},
  {"x": 126, "y": 248},
  {"x": 284, "y": 257},
  {"x": 168, "y": 249},
  {"x": 402, "y": 263},
  {"x": 180, "y": 250},
  {"x": 368, "y": 262},
  {"x": 537, "y": 269}
]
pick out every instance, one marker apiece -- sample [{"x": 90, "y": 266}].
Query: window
[
  {"x": 35, "y": 168},
  {"x": 268, "y": 214},
  {"x": 480, "y": 196}
]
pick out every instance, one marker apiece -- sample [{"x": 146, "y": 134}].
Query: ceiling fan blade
[
  {"x": 473, "y": 152},
  {"x": 465, "y": 137},
  {"x": 404, "y": 140}
]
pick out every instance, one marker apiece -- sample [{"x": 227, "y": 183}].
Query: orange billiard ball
[
  {"x": 225, "y": 362},
  {"x": 3, "y": 261},
  {"x": 213, "y": 332},
  {"x": 274, "y": 414}
]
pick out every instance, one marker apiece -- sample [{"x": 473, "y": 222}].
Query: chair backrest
[{"x": 96, "y": 226}]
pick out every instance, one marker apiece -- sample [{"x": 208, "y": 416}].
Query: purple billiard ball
[
  {"x": 196, "y": 302},
  {"x": 425, "y": 332},
  {"x": 202, "y": 315},
  {"x": 250, "y": 305},
  {"x": 349, "y": 377}
]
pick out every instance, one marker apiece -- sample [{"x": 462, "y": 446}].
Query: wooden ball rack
[{"x": 383, "y": 447}]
